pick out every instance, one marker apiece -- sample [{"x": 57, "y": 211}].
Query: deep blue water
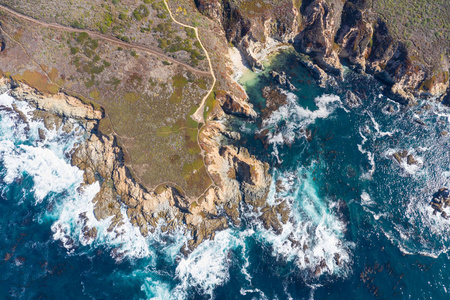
[{"x": 356, "y": 213}]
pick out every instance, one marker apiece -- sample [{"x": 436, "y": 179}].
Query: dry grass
[{"x": 38, "y": 81}]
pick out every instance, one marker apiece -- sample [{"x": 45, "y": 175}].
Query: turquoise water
[{"x": 360, "y": 226}]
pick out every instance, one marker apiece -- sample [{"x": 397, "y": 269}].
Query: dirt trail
[
  {"x": 198, "y": 115},
  {"x": 153, "y": 51}
]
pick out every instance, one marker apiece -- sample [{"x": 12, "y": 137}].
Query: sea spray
[
  {"x": 289, "y": 121},
  {"x": 314, "y": 237}
]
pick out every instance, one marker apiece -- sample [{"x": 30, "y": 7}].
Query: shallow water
[{"x": 361, "y": 221}]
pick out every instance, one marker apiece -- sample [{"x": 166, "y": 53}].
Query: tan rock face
[
  {"x": 257, "y": 29},
  {"x": 317, "y": 37},
  {"x": 328, "y": 31},
  {"x": 239, "y": 179},
  {"x": 59, "y": 104}
]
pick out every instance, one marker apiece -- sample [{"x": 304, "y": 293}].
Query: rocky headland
[
  {"x": 240, "y": 179},
  {"x": 328, "y": 33},
  {"x": 334, "y": 33}
]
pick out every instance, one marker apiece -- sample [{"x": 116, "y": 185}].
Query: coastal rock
[
  {"x": 329, "y": 31},
  {"x": 275, "y": 98},
  {"x": 237, "y": 177},
  {"x": 351, "y": 100},
  {"x": 41, "y": 133},
  {"x": 411, "y": 160},
  {"x": 317, "y": 37},
  {"x": 256, "y": 29},
  {"x": 234, "y": 106},
  {"x": 354, "y": 35},
  {"x": 282, "y": 80},
  {"x": 320, "y": 75},
  {"x": 440, "y": 201},
  {"x": 400, "y": 155},
  {"x": 59, "y": 104}
]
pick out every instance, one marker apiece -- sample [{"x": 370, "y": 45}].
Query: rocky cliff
[
  {"x": 239, "y": 178},
  {"x": 333, "y": 33}
]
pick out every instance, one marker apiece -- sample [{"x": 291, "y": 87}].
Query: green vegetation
[
  {"x": 178, "y": 83},
  {"x": 209, "y": 105},
  {"x": 140, "y": 12},
  {"x": 416, "y": 19},
  {"x": 150, "y": 114},
  {"x": 38, "y": 81}
]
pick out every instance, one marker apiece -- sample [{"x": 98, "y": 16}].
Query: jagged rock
[
  {"x": 234, "y": 106},
  {"x": 59, "y": 104},
  {"x": 275, "y": 98},
  {"x": 441, "y": 200},
  {"x": 390, "y": 109},
  {"x": 399, "y": 156},
  {"x": 20, "y": 113},
  {"x": 282, "y": 80},
  {"x": 351, "y": 100},
  {"x": 411, "y": 160},
  {"x": 354, "y": 35},
  {"x": 232, "y": 135},
  {"x": 67, "y": 127},
  {"x": 41, "y": 133},
  {"x": 317, "y": 37},
  {"x": 315, "y": 71}
]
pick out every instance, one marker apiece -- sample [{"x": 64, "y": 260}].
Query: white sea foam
[
  {"x": 208, "y": 265},
  {"x": 366, "y": 200},
  {"x": 377, "y": 126},
  {"x": 370, "y": 157},
  {"x": 297, "y": 117},
  {"x": 157, "y": 290},
  {"x": 46, "y": 162},
  {"x": 313, "y": 237}
]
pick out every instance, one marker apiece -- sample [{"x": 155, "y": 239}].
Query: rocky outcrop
[
  {"x": 355, "y": 36},
  {"x": 255, "y": 28},
  {"x": 440, "y": 201},
  {"x": 331, "y": 32},
  {"x": 239, "y": 178},
  {"x": 59, "y": 104},
  {"x": 282, "y": 80},
  {"x": 237, "y": 175},
  {"x": 401, "y": 155},
  {"x": 351, "y": 100},
  {"x": 317, "y": 37},
  {"x": 234, "y": 106}
]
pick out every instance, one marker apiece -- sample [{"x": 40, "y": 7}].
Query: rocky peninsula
[{"x": 135, "y": 93}]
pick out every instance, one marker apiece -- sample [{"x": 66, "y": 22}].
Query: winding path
[
  {"x": 148, "y": 49},
  {"x": 198, "y": 115}
]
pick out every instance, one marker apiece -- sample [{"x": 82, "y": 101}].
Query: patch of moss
[
  {"x": 131, "y": 97},
  {"x": 105, "y": 126},
  {"x": 38, "y": 81},
  {"x": 209, "y": 104},
  {"x": 178, "y": 83},
  {"x": 94, "y": 95}
]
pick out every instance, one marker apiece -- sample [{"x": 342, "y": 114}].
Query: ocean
[{"x": 360, "y": 227}]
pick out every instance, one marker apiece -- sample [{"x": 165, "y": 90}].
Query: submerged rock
[
  {"x": 282, "y": 80},
  {"x": 41, "y": 134},
  {"x": 400, "y": 155},
  {"x": 440, "y": 201},
  {"x": 351, "y": 100}
]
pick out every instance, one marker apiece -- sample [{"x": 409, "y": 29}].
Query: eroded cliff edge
[
  {"x": 240, "y": 179},
  {"x": 332, "y": 33}
]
